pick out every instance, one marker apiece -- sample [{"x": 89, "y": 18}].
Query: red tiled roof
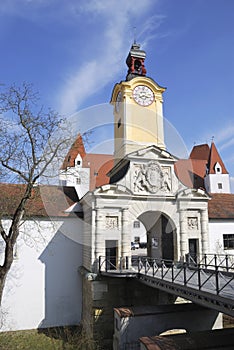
[
  {"x": 100, "y": 165},
  {"x": 200, "y": 152},
  {"x": 206, "y": 339},
  {"x": 153, "y": 343},
  {"x": 221, "y": 206},
  {"x": 76, "y": 148},
  {"x": 215, "y": 158},
  {"x": 191, "y": 172},
  {"x": 45, "y": 200}
]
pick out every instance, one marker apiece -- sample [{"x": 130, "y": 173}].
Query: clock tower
[{"x": 138, "y": 108}]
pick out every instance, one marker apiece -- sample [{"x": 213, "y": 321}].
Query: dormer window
[
  {"x": 78, "y": 161},
  {"x": 218, "y": 168}
]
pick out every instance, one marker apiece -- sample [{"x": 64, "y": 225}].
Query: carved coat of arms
[{"x": 148, "y": 177}]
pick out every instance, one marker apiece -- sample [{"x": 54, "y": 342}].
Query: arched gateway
[
  {"x": 161, "y": 235},
  {"x": 173, "y": 215},
  {"x": 143, "y": 186}
]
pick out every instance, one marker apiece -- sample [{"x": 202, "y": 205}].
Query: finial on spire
[
  {"x": 134, "y": 35},
  {"x": 212, "y": 139}
]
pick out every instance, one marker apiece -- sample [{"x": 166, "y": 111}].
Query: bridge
[{"x": 208, "y": 281}]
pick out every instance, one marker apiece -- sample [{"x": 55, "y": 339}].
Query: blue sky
[{"x": 74, "y": 52}]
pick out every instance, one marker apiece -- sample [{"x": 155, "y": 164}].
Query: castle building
[{"x": 104, "y": 202}]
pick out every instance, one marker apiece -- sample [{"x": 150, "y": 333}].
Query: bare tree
[{"x": 30, "y": 139}]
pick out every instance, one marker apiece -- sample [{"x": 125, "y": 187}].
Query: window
[
  {"x": 220, "y": 186},
  {"x": 136, "y": 224},
  {"x": 78, "y": 180},
  {"x": 218, "y": 168},
  {"x": 78, "y": 162},
  {"x": 228, "y": 241},
  {"x": 119, "y": 123}
]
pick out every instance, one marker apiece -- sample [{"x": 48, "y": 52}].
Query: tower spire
[{"x": 135, "y": 61}]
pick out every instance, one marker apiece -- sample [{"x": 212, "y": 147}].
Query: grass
[{"x": 59, "y": 338}]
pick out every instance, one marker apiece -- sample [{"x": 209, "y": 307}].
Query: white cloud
[
  {"x": 118, "y": 20},
  {"x": 223, "y": 137},
  {"x": 223, "y": 134},
  {"x": 112, "y": 33},
  {"x": 105, "y": 45},
  {"x": 149, "y": 29},
  {"x": 227, "y": 144}
]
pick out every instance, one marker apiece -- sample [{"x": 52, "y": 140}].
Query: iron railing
[
  {"x": 202, "y": 276},
  {"x": 210, "y": 273},
  {"x": 222, "y": 261}
]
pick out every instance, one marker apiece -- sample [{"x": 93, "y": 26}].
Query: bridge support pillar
[
  {"x": 102, "y": 294},
  {"x": 131, "y": 323}
]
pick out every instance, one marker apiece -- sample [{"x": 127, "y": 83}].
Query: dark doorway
[
  {"x": 167, "y": 240},
  {"x": 111, "y": 254},
  {"x": 193, "y": 249}
]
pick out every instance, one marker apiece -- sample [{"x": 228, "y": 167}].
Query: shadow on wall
[{"x": 63, "y": 284}]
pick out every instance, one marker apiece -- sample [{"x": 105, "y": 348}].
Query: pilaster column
[
  {"x": 183, "y": 233},
  {"x": 99, "y": 243},
  {"x": 125, "y": 234},
  {"x": 204, "y": 231}
]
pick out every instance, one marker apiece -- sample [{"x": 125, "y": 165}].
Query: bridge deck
[{"x": 210, "y": 285}]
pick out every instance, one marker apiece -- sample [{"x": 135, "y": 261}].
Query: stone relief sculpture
[
  {"x": 151, "y": 178},
  {"x": 166, "y": 179},
  {"x": 139, "y": 177},
  {"x": 111, "y": 223},
  {"x": 193, "y": 223}
]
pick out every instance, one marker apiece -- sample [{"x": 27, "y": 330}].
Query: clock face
[
  {"x": 143, "y": 95},
  {"x": 118, "y": 101}
]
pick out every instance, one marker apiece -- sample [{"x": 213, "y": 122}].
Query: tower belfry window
[{"x": 137, "y": 66}]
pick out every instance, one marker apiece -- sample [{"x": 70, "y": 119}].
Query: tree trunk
[{"x": 8, "y": 260}]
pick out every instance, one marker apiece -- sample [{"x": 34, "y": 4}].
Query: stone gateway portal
[{"x": 143, "y": 186}]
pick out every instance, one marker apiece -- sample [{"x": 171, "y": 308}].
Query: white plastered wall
[
  {"x": 217, "y": 228},
  {"x": 43, "y": 287}
]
